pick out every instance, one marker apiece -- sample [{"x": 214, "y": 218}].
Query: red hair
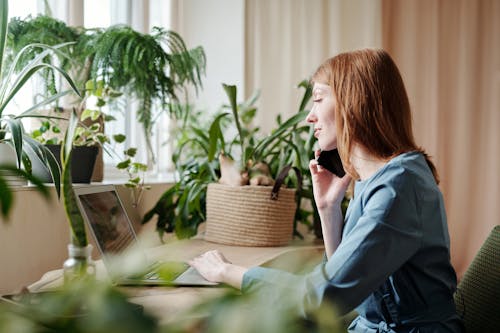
[{"x": 372, "y": 105}]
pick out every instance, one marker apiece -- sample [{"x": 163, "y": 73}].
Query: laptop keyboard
[{"x": 152, "y": 276}]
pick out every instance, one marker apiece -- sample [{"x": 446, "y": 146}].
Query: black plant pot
[{"x": 82, "y": 164}]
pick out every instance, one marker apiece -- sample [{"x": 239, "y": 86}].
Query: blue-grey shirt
[{"x": 393, "y": 263}]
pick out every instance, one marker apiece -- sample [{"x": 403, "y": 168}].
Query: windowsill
[
  {"x": 119, "y": 179},
  {"x": 115, "y": 179}
]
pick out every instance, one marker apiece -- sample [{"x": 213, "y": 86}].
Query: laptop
[{"x": 117, "y": 242}]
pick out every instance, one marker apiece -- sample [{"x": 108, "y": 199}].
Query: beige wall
[
  {"x": 217, "y": 26},
  {"x": 34, "y": 240}
]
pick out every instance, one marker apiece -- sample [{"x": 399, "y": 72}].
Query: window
[
  {"x": 142, "y": 15},
  {"x": 103, "y": 13},
  {"x": 96, "y": 13},
  {"x": 23, "y": 99}
]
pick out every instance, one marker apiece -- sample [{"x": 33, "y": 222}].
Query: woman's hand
[
  {"x": 210, "y": 265},
  {"x": 214, "y": 267},
  {"x": 328, "y": 189}
]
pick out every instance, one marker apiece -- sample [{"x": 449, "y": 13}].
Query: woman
[{"x": 390, "y": 258}]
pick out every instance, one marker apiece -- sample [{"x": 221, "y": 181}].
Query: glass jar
[{"x": 79, "y": 265}]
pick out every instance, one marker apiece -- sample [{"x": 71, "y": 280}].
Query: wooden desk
[{"x": 167, "y": 303}]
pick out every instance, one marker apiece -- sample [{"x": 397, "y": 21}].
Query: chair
[{"x": 478, "y": 294}]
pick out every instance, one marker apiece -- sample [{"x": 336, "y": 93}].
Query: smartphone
[{"x": 330, "y": 160}]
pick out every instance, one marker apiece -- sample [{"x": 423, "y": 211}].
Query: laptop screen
[{"x": 108, "y": 220}]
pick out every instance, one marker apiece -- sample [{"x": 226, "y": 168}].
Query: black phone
[{"x": 330, "y": 160}]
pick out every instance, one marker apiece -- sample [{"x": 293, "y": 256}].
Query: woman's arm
[
  {"x": 332, "y": 223},
  {"x": 329, "y": 191}
]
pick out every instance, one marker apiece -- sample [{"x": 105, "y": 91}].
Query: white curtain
[
  {"x": 287, "y": 39},
  {"x": 449, "y": 55},
  {"x": 141, "y": 15}
]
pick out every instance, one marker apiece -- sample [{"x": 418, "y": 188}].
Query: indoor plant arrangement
[
  {"x": 12, "y": 134},
  {"x": 89, "y": 140},
  {"x": 152, "y": 68},
  {"x": 198, "y": 160},
  {"x": 89, "y": 133}
]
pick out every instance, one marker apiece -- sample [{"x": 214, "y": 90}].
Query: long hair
[{"x": 372, "y": 105}]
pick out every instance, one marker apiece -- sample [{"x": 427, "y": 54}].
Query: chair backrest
[{"x": 478, "y": 294}]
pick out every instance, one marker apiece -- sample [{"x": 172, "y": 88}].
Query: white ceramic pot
[{"x": 7, "y": 155}]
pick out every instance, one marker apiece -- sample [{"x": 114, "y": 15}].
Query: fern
[{"x": 153, "y": 68}]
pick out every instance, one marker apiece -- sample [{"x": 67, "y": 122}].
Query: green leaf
[
  {"x": 135, "y": 180},
  {"x": 22, "y": 79},
  {"x": 115, "y": 94},
  {"x": 16, "y": 130},
  {"x": 108, "y": 117},
  {"x": 73, "y": 214},
  {"x": 131, "y": 152},
  {"x": 36, "y": 133},
  {"x": 293, "y": 121},
  {"x": 124, "y": 164},
  {"x": 307, "y": 94},
  {"x": 101, "y": 138},
  {"x": 52, "y": 141},
  {"x": 86, "y": 114},
  {"x": 94, "y": 127},
  {"x": 248, "y": 115},
  {"x": 4, "y": 19},
  {"x": 119, "y": 138},
  {"x": 231, "y": 94},
  {"x": 215, "y": 135},
  {"x": 140, "y": 166},
  {"x": 90, "y": 85},
  {"x": 6, "y": 199},
  {"x": 46, "y": 101},
  {"x": 46, "y": 157}
]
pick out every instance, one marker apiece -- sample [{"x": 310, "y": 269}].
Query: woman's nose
[{"x": 311, "y": 117}]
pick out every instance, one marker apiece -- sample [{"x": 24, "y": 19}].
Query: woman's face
[{"x": 322, "y": 116}]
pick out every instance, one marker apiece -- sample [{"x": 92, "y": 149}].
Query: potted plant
[
  {"x": 12, "y": 134},
  {"x": 89, "y": 134},
  {"x": 198, "y": 161},
  {"x": 152, "y": 68}
]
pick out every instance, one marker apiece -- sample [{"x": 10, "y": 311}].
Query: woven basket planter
[{"x": 247, "y": 216}]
